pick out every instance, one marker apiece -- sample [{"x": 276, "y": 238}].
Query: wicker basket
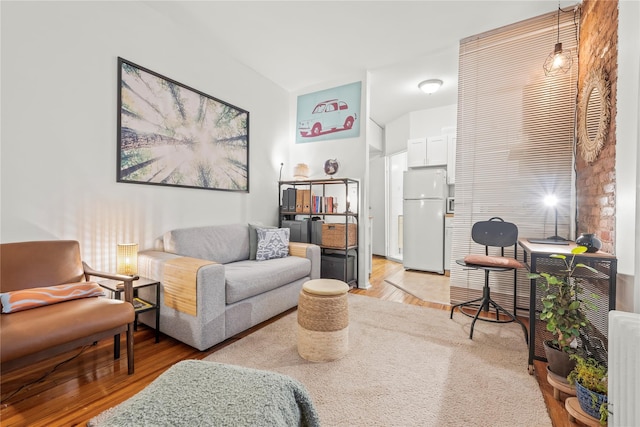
[{"x": 333, "y": 235}]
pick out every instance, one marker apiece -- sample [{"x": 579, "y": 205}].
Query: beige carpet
[
  {"x": 406, "y": 366},
  {"x": 430, "y": 287}
]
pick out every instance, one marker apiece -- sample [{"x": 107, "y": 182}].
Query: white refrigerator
[{"x": 424, "y": 198}]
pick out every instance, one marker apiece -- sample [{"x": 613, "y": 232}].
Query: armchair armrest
[{"x": 127, "y": 280}]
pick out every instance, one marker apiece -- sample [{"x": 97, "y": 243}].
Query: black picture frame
[{"x": 171, "y": 134}]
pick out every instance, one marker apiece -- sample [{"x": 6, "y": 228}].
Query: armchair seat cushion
[
  {"x": 31, "y": 331},
  {"x": 245, "y": 279}
]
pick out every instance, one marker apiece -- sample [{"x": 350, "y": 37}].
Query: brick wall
[{"x": 596, "y": 181}]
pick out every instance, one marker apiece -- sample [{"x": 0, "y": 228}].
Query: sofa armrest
[
  {"x": 309, "y": 251},
  {"x": 207, "y": 327}
]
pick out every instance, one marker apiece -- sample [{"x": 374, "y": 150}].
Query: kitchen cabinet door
[
  {"x": 436, "y": 151},
  {"x": 417, "y": 152}
]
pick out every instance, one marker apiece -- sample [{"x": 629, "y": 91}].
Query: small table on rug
[
  {"x": 139, "y": 305},
  {"x": 602, "y": 283}
]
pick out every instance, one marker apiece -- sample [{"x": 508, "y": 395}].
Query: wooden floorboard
[{"x": 92, "y": 382}]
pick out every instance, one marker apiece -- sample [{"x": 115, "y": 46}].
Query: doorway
[{"x": 397, "y": 164}]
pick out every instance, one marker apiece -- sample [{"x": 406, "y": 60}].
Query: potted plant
[
  {"x": 590, "y": 378},
  {"x": 564, "y": 311}
]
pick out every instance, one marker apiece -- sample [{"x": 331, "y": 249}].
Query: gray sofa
[{"x": 231, "y": 294}]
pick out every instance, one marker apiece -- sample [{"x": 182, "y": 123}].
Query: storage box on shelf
[
  {"x": 332, "y": 266},
  {"x": 336, "y": 235},
  {"x": 325, "y": 212}
]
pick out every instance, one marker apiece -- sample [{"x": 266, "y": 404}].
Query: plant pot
[
  {"x": 587, "y": 402},
  {"x": 558, "y": 360}
]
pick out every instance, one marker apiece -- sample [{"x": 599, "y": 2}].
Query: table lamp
[{"x": 127, "y": 259}]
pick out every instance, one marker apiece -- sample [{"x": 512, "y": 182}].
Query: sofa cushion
[
  {"x": 25, "y": 299},
  {"x": 245, "y": 279},
  {"x": 220, "y": 243},
  {"x": 272, "y": 243}
]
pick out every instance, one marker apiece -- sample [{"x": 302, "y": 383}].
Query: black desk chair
[{"x": 493, "y": 233}]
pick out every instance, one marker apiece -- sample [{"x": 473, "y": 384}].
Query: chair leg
[
  {"x": 116, "y": 347},
  {"x": 130, "y": 348},
  {"x": 484, "y": 304},
  {"x": 463, "y": 303}
]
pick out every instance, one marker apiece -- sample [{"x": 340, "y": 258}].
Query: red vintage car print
[{"x": 328, "y": 116}]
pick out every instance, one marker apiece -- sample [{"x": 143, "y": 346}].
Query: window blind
[{"x": 515, "y": 142}]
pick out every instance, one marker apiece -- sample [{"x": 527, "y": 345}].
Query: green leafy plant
[
  {"x": 593, "y": 376},
  {"x": 563, "y": 304}
]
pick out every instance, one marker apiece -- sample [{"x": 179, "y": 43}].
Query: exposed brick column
[{"x": 596, "y": 181}]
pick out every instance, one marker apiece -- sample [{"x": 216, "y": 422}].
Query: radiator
[{"x": 624, "y": 368}]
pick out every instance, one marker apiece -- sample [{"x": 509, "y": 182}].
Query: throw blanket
[
  {"x": 179, "y": 283},
  {"x": 200, "y": 393}
]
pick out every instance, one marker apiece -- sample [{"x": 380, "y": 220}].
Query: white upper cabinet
[
  {"x": 436, "y": 151},
  {"x": 417, "y": 152},
  {"x": 430, "y": 151}
]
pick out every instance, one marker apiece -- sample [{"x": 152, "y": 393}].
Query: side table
[
  {"x": 139, "y": 305},
  {"x": 601, "y": 283}
]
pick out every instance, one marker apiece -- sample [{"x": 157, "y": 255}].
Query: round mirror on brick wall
[{"x": 594, "y": 112}]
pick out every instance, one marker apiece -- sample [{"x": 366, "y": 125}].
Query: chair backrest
[
  {"x": 495, "y": 232},
  {"x": 25, "y": 265}
]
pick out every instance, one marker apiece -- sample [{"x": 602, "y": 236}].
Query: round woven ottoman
[{"x": 323, "y": 320}]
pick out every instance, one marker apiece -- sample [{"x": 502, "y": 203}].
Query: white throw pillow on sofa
[{"x": 272, "y": 243}]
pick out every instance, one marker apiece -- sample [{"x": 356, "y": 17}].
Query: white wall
[
  {"x": 431, "y": 121},
  {"x": 352, "y": 155},
  {"x": 59, "y": 82},
  {"x": 628, "y": 158},
  {"x": 396, "y": 134},
  {"x": 375, "y": 137}
]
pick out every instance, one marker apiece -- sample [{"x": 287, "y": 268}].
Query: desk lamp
[{"x": 552, "y": 201}]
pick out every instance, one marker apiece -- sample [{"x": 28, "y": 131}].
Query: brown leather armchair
[{"x": 35, "y": 334}]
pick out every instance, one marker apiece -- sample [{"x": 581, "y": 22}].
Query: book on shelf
[
  {"x": 322, "y": 204},
  {"x": 140, "y": 303}
]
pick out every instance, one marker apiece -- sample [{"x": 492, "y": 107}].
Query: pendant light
[{"x": 558, "y": 61}]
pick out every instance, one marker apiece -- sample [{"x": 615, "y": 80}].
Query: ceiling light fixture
[
  {"x": 558, "y": 61},
  {"x": 430, "y": 86}
]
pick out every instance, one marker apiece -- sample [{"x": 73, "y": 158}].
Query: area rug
[
  {"x": 425, "y": 286},
  {"x": 406, "y": 366}
]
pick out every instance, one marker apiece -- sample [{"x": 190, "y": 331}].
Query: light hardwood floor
[{"x": 88, "y": 384}]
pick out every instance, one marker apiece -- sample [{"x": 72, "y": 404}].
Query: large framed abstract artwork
[{"x": 171, "y": 134}]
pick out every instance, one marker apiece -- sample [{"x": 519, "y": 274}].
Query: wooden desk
[{"x": 602, "y": 283}]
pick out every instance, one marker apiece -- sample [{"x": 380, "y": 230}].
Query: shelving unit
[{"x": 336, "y": 208}]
